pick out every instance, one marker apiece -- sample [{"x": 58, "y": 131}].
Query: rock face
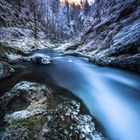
[
  {"x": 39, "y": 19},
  {"x": 7, "y": 57},
  {"x": 20, "y": 27},
  {"x": 114, "y": 37},
  {"x": 111, "y": 33},
  {"x": 35, "y": 111},
  {"x": 19, "y": 16},
  {"x": 5, "y": 70}
]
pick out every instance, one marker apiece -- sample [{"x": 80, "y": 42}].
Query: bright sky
[{"x": 76, "y": 2}]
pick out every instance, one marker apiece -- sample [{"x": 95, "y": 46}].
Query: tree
[
  {"x": 19, "y": 5},
  {"x": 37, "y": 10},
  {"x": 98, "y": 11}
]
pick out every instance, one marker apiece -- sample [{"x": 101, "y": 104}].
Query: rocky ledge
[{"x": 34, "y": 111}]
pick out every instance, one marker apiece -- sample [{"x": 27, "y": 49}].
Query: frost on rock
[
  {"x": 30, "y": 91},
  {"x": 67, "y": 122},
  {"x": 25, "y": 114},
  {"x": 48, "y": 115},
  {"x": 24, "y": 42},
  {"x": 38, "y": 59}
]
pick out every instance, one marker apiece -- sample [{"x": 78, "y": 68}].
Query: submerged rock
[
  {"x": 38, "y": 59},
  {"x": 41, "y": 60},
  {"x": 46, "y": 114}
]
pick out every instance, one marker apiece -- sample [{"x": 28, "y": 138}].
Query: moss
[{"x": 32, "y": 126}]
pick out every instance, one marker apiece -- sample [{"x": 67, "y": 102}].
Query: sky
[{"x": 76, "y": 2}]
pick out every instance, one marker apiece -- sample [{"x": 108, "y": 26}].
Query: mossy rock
[{"x": 28, "y": 129}]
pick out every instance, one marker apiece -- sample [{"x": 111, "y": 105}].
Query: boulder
[
  {"x": 45, "y": 114},
  {"x": 37, "y": 59}
]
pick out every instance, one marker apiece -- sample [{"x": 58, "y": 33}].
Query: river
[{"x": 111, "y": 95}]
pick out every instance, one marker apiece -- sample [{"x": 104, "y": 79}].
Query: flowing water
[{"x": 112, "y": 96}]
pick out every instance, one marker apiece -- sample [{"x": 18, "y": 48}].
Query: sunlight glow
[
  {"x": 76, "y": 2},
  {"x": 72, "y": 2}
]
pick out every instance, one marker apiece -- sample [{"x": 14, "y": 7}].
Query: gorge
[{"x": 69, "y": 69}]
